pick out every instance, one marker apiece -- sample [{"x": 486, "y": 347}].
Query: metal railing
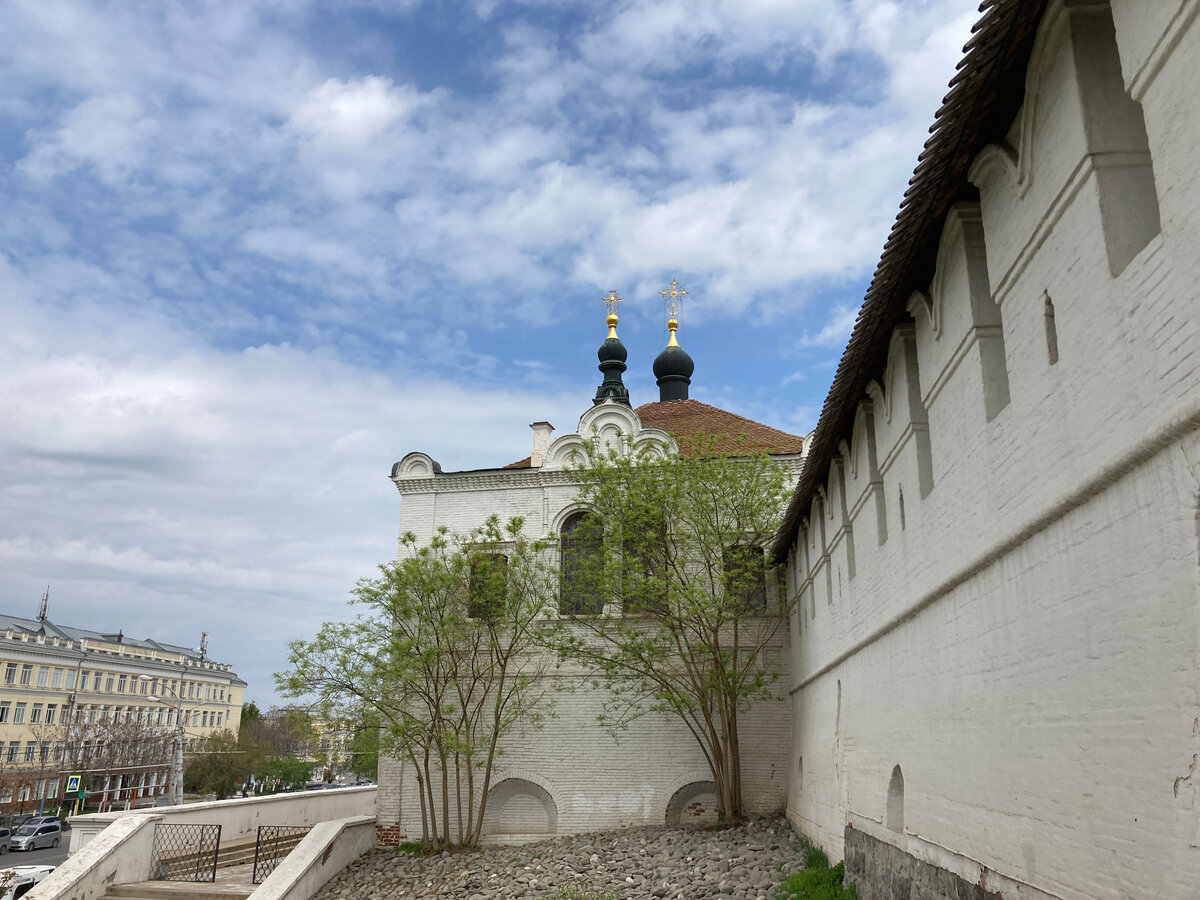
[
  {"x": 274, "y": 842},
  {"x": 185, "y": 852}
]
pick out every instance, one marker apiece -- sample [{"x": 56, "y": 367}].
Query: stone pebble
[{"x": 646, "y": 863}]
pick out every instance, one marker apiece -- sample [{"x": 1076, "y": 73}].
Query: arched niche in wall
[
  {"x": 894, "y": 817},
  {"x": 519, "y": 806},
  {"x": 693, "y": 804}
]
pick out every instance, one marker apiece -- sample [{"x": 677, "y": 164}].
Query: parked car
[
  {"x": 5, "y": 837},
  {"x": 31, "y": 836},
  {"x": 43, "y": 820},
  {"x": 19, "y": 880}
]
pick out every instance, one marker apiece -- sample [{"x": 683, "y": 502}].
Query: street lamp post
[{"x": 175, "y": 798}]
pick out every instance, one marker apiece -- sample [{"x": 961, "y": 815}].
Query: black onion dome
[
  {"x": 673, "y": 361},
  {"x": 612, "y": 355},
  {"x": 612, "y": 349}
]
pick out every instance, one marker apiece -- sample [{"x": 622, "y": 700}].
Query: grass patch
[
  {"x": 817, "y": 880},
  {"x": 574, "y": 892}
]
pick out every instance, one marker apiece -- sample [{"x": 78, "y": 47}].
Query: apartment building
[{"x": 103, "y": 706}]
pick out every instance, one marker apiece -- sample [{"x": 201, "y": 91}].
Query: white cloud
[
  {"x": 238, "y": 254},
  {"x": 836, "y": 330}
]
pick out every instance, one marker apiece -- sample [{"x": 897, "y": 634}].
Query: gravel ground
[{"x": 743, "y": 863}]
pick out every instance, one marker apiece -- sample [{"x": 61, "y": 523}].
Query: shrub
[{"x": 817, "y": 880}]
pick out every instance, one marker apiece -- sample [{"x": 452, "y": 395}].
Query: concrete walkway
[{"x": 233, "y": 883}]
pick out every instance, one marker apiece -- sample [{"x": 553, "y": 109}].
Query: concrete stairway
[{"x": 235, "y": 870}]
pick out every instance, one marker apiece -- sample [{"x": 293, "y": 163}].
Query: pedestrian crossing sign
[{"x": 73, "y": 783}]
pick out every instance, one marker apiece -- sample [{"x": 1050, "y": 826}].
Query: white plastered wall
[{"x": 1026, "y": 646}]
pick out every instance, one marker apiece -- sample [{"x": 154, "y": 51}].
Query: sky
[{"x": 253, "y": 253}]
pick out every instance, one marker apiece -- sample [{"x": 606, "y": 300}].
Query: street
[{"x": 50, "y": 856}]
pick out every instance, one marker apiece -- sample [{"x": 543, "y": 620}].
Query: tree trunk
[
  {"x": 433, "y": 822},
  {"x": 458, "y": 792},
  {"x": 443, "y": 759}
]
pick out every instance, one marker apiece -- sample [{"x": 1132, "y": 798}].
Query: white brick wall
[{"x": 1026, "y": 647}]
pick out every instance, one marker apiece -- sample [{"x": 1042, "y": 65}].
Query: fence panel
[
  {"x": 274, "y": 842},
  {"x": 185, "y": 852}
]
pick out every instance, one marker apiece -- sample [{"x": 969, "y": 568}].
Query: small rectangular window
[
  {"x": 5, "y": 710},
  {"x": 57, "y": 678},
  {"x": 44, "y": 751},
  {"x": 108, "y": 682},
  {"x": 120, "y": 684},
  {"x": 30, "y": 751},
  {"x": 19, "y": 714},
  {"x": 154, "y": 688},
  {"x": 27, "y": 674},
  {"x": 14, "y": 751},
  {"x": 10, "y": 673},
  {"x": 52, "y": 789},
  {"x": 51, "y": 710},
  {"x": 145, "y": 686},
  {"x": 204, "y": 720},
  {"x": 746, "y": 577},
  {"x": 35, "y": 714},
  {"x": 43, "y": 676},
  {"x": 70, "y": 679},
  {"x": 488, "y": 585},
  {"x": 83, "y": 679}
]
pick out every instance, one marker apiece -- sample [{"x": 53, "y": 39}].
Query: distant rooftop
[{"x": 110, "y": 641}]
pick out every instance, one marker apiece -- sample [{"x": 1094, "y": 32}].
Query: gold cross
[
  {"x": 674, "y": 295},
  {"x": 611, "y": 302}
]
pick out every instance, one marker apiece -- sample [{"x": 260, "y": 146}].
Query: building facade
[
  {"x": 571, "y": 775},
  {"x": 104, "y": 707},
  {"x": 994, "y": 547}
]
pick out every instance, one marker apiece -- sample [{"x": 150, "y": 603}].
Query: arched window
[{"x": 580, "y": 544}]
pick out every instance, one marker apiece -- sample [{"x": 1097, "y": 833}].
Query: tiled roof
[
  {"x": 526, "y": 463},
  {"x": 687, "y": 420},
  {"x": 983, "y": 99}
]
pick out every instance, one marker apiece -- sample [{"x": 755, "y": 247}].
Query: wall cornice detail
[{"x": 501, "y": 478}]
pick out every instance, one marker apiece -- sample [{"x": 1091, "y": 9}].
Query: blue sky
[{"x": 252, "y": 253}]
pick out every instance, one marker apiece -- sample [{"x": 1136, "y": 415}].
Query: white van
[{"x": 19, "y": 880}]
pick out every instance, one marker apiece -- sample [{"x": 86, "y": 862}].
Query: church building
[{"x": 571, "y": 775}]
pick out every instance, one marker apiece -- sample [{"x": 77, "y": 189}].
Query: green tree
[
  {"x": 363, "y": 747},
  {"x": 251, "y": 714},
  {"x": 446, "y": 656},
  {"x": 219, "y": 767},
  {"x": 286, "y": 771},
  {"x": 679, "y": 618}
]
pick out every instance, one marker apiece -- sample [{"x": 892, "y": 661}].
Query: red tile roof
[
  {"x": 526, "y": 463},
  {"x": 688, "y": 420}
]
